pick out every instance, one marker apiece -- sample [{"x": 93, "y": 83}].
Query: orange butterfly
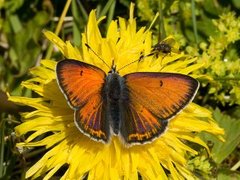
[{"x": 137, "y": 106}]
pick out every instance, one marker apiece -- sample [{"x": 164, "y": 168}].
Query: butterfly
[{"x": 136, "y": 107}]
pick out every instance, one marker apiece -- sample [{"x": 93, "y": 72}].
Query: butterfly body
[
  {"x": 136, "y": 107},
  {"x": 115, "y": 95}
]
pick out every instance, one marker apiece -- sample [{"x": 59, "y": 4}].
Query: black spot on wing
[
  {"x": 81, "y": 73},
  {"x": 161, "y": 83}
]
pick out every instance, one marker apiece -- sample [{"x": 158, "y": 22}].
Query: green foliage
[
  {"x": 222, "y": 62},
  {"x": 21, "y": 44},
  {"x": 21, "y": 47},
  {"x": 224, "y": 174},
  {"x": 200, "y": 165},
  {"x": 221, "y": 150},
  {"x": 9, "y": 156}
]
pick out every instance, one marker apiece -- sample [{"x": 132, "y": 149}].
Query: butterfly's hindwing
[{"x": 139, "y": 125}]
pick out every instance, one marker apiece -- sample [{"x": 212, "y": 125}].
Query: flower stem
[
  {"x": 227, "y": 79},
  {"x": 58, "y": 28},
  {"x": 236, "y": 166},
  {"x": 194, "y": 21},
  {"x": 162, "y": 32}
]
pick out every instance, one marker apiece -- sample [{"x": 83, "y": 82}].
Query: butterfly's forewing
[
  {"x": 154, "y": 98},
  {"x": 82, "y": 85}
]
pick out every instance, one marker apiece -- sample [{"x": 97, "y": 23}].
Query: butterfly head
[{"x": 113, "y": 69}]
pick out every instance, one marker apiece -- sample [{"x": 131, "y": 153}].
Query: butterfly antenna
[
  {"x": 138, "y": 60},
  {"x": 97, "y": 55}
]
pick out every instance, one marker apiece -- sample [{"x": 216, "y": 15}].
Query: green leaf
[
  {"x": 226, "y": 174},
  {"x": 126, "y": 3},
  {"x": 25, "y": 49},
  {"x": 15, "y": 23},
  {"x": 212, "y": 7},
  {"x": 13, "y": 5},
  {"x": 235, "y": 112},
  {"x": 106, "y": 8},
  {"x": 236, "y": 3},
  {"x": 168, "y": 5},
  {"x": 222, "y": 150},
  {"x": 82, "y": 10},
  {"x": 111, "y": 13},
  {"x": 77, "y": 22}
]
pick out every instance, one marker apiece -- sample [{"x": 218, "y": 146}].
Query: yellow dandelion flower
[{"x": 67, "y": 146}]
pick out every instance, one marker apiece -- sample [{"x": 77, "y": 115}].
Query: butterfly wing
[
  {"x": 154, "y": 98},
  {"x": 82, "y": 84}
]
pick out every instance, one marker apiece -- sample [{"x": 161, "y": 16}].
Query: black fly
[{"x": 165, "y": 47}]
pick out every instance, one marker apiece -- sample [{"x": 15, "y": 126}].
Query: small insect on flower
[{"x": 164, "y": 47}]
